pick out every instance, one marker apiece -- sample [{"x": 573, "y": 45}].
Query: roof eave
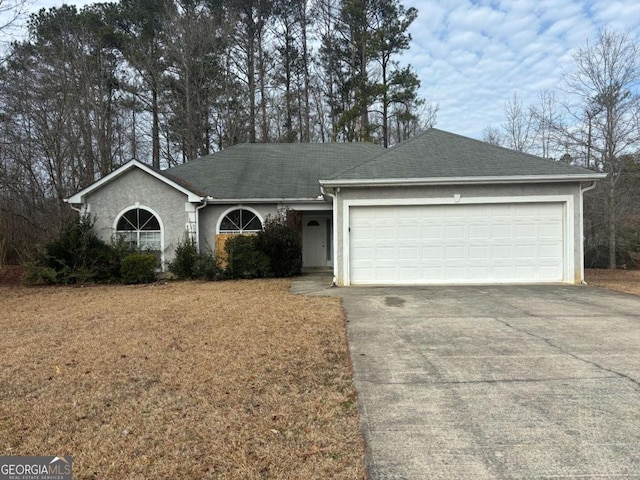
[
  {"x": 319, "y": 199},
  {"x": 392, "y": 182}
]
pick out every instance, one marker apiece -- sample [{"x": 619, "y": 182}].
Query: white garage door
[{"x": 496, "y": 243}]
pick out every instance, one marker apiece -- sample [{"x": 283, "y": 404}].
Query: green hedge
[
  {"x": 139, "y": 268},
  {"x": 244, "y": 259}
]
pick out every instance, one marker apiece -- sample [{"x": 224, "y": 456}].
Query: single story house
[{"x": 438, "y": 208}]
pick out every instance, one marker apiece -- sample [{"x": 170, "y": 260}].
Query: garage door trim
[{"x": 566, "y": 200}]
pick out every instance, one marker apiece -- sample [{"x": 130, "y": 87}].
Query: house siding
[
  {"x": 138, "y": 187},
  {"x": 419, "y": 193}
]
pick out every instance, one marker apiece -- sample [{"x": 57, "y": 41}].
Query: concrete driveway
[{"x": 497, "y": 382}]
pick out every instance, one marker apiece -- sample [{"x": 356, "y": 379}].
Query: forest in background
[{"x": 168, "y": 81}]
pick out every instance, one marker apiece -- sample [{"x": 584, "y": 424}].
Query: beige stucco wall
[{"x": 447, "y": 193}]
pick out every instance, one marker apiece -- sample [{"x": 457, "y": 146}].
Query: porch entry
[{"x": 317, "y": 237}]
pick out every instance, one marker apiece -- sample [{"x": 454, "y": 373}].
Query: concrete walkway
[{"x": 495, "y": 382}]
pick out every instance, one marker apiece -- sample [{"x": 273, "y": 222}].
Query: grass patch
[
  {"x": 186, "y": 380},
  {"x": 627, "y": 281}
]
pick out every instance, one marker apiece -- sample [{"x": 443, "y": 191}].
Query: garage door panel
[
  {"x": 409, "y": 272},
  {"x": 408, "y": 232},
  {"x": 409, "y": 253},
  {"x": 479, "y": 273},
  {"x": 499, "y": 230},
  {"x": 479, "y": 253},
  {"x": 479, "y": 232},
  {"x": 502, "y": 252},
  {"x": 431, "y": 232},
  {"x": 432, "y": 253},
  {"x": 526, "y": 252},
  {"x": 496, "y": 243},
  {"x": 385, "y": 233},
  {"x": 455, "y": 232}
]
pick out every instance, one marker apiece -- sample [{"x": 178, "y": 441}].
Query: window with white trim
[
  {"x": 240, "y": 220},
  {"x": 140, "y": 229}
]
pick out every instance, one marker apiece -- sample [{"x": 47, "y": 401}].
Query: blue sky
[{"x": 473, "y": 55}]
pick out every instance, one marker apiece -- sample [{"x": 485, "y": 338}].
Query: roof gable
[
  {"x": 436, "y": 154},
  {"x": 78, "y": 198}
]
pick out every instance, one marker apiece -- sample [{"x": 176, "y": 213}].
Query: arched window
[
  {"x": 240, "y": 220},
  {"x": 140, "y": 229}
]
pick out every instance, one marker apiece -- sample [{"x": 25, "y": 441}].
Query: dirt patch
[
  {"x": 187, "y": 380},
  {"x": 627, "y": 281}
]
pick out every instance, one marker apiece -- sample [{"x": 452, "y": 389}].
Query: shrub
[
  {"x": 77, "y": 255},
  {"x": 138, "y": 268},
  {"x": 244, "y": 259},
  {"x": 37, "y": 274},
  {"x": 189, "y": 264},
  {"x": 206, "y": 267},
  {"x": 185, "y": 258},
  {"x": 281, "y": 244}
]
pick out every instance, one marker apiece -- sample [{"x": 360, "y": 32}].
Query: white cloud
[{"x": 487, "y": 50}]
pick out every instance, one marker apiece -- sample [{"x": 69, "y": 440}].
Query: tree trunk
[
  {"x": 155, "y": 128},
  {"x": 263, "y": 88},
  {"x": 385, "y": 106},
  {"x": 251, "y": 81},
  {"x": 611, "y": 223},
  {"x": 306, "y": 137}
]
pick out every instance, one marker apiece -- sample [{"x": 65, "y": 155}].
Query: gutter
[
  {"x": 390, "y": 182},
  {"x": 211, "y": 200}
]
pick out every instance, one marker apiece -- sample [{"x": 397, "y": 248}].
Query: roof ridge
[
  {"x": 506, "y": 149},
  {"x": 385, "y": 151}
]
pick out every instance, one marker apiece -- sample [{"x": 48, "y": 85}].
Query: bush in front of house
[
  {"x": 138, "y": 268},
  {"x": 281, "y": 244},
  {"x": 245, "y": 259},
  {"x": 206, "y": 267},
  {"x": 185, "y": 257},
  {"x": 274, "y": 252},
  {"x": 77, "y": 255},
  {"x": 188, "y": 264}
]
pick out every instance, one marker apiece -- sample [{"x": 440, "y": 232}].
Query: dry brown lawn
[
  {"x": 627, "y": 281},
  {"x": 180, "y": 381}
]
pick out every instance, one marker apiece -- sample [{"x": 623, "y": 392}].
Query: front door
[{"x": 316, "y": 240}]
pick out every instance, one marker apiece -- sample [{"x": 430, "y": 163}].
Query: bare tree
[
  {"x": 544, "y": 116},
  {"x": 10, "y": 12},
  {"x": 492, "y": 135},
  {"x": 605, "y": 87},
  {"x": 518, "y": 128}
]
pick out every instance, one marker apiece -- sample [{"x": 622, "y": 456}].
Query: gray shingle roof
[
  {"x": 292, "y": 170},
  {"x": 439, "y": 154},
  {"x": 270, "y": 170}
]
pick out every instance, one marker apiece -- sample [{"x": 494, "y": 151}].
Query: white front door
[{"x": 316, "y": 235}]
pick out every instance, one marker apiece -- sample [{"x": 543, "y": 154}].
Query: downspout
[
  {"x": 334, "y": 196},
  {"x": 197, "y": 232},
  {"x": 582, "y": 190},
  {"x": 82, "y": 209}
]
